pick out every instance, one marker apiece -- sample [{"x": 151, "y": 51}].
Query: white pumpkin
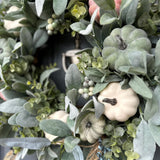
[
  {"x": 120, "y": 104},
  {"x": 12, "y": 24},
  {"x": 58, "y": 115},
  {"x": 91, "y": 128}
]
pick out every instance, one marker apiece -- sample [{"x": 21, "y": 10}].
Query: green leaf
[
  {"x": 128, "y": 11},
  {"x": 70, "y": 142},
  {"x": 12, "y": 119},
  {"x": 67, "y": 156},
  {"x": 73, "y": 77},
  {"x": 20, "y": 87},
  {"x": 140, "y": 87},
  {"x": 27, "y": 41},
  {"x": 105, "y": 4},
  {"x": 40, "y": 37},
  {"x": 55, "y": 127},
  {"x": 52, "y": 153},
  {"x": 39, "y": 6},
  {"x": 44, "y": 75},
  {"x": 152, "y": 105},
  {"x": 88, "y": 105},
  {"x": 72, "y": 95},
  {"x": 155, "y": 130},
  {"x": 30, "y": 143},
  {"x": 99, "y": 108},
  {"x": 144, "y": 143},
  {"x": 157, "y": 54},
  {"x": 24, "y": 119},
  {"x": 59, "y": 6},
  {"x": 107, "y": 19},
  {"x": 94, "y": 74},
  {"x": 78, "y": 26},
  {"x": 118, "y": 132},
  {"x": 6, "y": 131},
  {"x": 77, "y": 153},
  {"x": 80, "y": 118},
  {"x": 14, "y": 15},
  {"x": 12, "y": 106},
  {"x": 99, "y": 87}
]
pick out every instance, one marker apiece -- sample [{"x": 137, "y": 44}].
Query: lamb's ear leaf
[{"x": 30, "y": 143}]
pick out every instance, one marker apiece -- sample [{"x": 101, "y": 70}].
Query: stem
[
  {"x": 113, "y": 101},
  {"x": 122, "y": 44}
]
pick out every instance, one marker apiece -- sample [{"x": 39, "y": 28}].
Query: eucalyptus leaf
[
  {"x": 44, "y": 75},
  {"x": 40, "y": 37},
  {"x": 20, "y": 87},
  {"x": 30, "y": 143},
  {"x": 73, "y": 77},
  {"x": 88, "y": 105},
  {"x": 24, "y": 119},
  {"x": 39, "y": 6},
  {"x": 12, "y": 106},
  {"x": 59, "y": 6},
  {"x": 157, "y": 55},
  {"x": 70, "y": 142},
  {"x": 99, "y": 87},
  {"x": 52, "y": 153},
  {"x": 55, "y": 127},
  {"x": 72, "y": 95},
  {"x": 74, "y": 112},
  {"x": 140, "y": 87},
  {"x": 144, "y": 143},
  {"x": 78, "y": 26}
]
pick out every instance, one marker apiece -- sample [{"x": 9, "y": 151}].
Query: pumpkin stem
[
  {"x": 110, "y": 101},
  {"x": 122, "y": 44},
  {"x": 89, "y": 124}
]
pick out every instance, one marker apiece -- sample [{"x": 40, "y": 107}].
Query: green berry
[
  {"x": 85, "y": 90},
  {"x": 54, "y": 24},
  {"x": 80, "y": 91},
  {"x": 50, "y": 20},
  {"x": 54, "y": 16},
  {"x": 86, "y": 96}
]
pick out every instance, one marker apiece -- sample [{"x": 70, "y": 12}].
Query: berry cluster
[
  {"x": 87, "y": 89},
  {"x": 52, "y": 25}
]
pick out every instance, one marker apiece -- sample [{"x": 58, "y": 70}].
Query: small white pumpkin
[
  {"x": 120, "y": 104},
  {"x": 12, "y": 24},
  {"x": 91, "y": 128},
  {"x": 58, "y": 115}
]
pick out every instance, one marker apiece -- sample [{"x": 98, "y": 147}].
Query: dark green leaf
[
  {"x": 140, "y": 87},
  {"x": 67, "y": 156},
  {"x": 105, "y": 4},
  {"x": 72, "y": 95},
  {"x": 157, "y": 54},
  {"x": 12, "y": 106},
  {"x": 88, "y": 105},
  {"x": 30, "y": 143},
  {"x": 73, "y": 77},
  {"x": 59, "y": 6},
  {"x": 40, "y": 37},
  {"x": 55, "y": 127},
  {"x": 14, "y": 15},
  {"x": 6, "y": 131},
  {"x": 20, "y": 87}
]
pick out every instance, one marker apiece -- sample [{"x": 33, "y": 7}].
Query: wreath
[{"x": 111, "y": 107}]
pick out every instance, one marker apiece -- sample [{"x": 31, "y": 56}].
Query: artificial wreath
[{"x": 111, "y": 107}]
